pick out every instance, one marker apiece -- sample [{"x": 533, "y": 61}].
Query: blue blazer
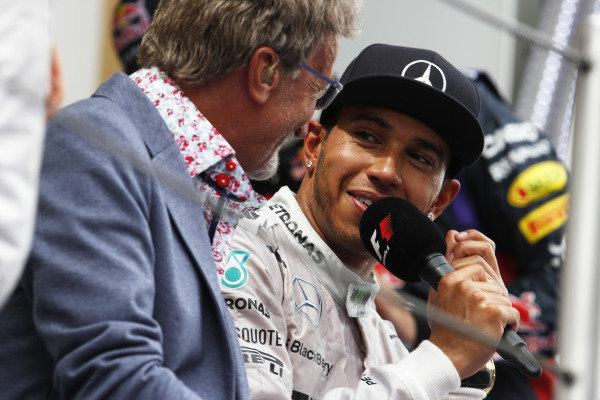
[{"x": 120, "y": 297}]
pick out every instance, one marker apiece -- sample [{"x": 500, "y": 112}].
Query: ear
[
  {"x": 313, "y": 143},
  {"x": 263, "y": 74},
  {"x": 447, "y": 194}
]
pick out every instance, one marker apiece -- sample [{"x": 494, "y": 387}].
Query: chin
[
  {"x": 267, "y": 170},
  {"x": 349, "y": 237}
]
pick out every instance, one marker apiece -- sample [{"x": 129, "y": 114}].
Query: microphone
[{"x": 411, "y": 247}]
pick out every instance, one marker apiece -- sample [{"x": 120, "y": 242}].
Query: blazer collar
[{"x": 123, "y": 91}]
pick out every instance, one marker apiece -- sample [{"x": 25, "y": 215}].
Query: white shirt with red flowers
[{"x": 224, "y": 188}]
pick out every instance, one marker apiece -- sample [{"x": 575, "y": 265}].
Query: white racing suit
[{"x": 307, "y": 325}]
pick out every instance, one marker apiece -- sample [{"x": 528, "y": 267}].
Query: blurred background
[
  {"x": 83, "y": 33},
  {"x": 538, "y": 83}
]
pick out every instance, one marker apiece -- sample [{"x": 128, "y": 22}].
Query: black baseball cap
[{"x": 421, "y": 84}]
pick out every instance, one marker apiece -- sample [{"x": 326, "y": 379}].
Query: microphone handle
[
  {"x": 434, "y": 269},
  {"x": 511, "y": 346},
  {"x": 514, "y": 350}
]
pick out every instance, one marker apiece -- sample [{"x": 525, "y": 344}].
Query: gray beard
[{"x": 267, "y": 170}]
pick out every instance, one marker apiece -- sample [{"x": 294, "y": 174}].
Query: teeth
[{"x": 366, "y": 201}]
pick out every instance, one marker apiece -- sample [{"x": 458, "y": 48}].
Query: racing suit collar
[{"x": 347, "y": 288}]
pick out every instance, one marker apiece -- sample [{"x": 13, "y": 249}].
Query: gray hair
[{"x": 196, "y": 40}]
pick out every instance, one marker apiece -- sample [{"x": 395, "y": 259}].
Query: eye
[
  {"x": 421, "y": 158},
  {"x": 366, "y": 137}
]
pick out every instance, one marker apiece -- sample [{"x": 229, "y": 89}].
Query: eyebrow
[
  {"x": 424, "y": 143},
  {"x": 371, "y": 118},
  {"x": 430, "y": 146}
]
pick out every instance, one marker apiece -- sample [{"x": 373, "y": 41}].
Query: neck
[
  {"x": 360, "y": 262},
  {"x": 362, "y": 269},
  {"x": 225, "y": 104}
]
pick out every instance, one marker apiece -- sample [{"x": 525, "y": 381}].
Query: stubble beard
[
  {"x": 323, "y": 201},
  {"x": 343, "y": 242}
]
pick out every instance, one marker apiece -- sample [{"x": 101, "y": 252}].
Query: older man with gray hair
[{"x": 120, "y": 298}]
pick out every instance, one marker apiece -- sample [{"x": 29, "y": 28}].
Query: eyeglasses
[{"x": 329, "y": 93}]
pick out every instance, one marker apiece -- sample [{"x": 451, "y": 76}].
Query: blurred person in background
[
  {"x": 120, "y": 296},
  {"x": 31, "y": 92},
  {"x": 131, "y": 19}
]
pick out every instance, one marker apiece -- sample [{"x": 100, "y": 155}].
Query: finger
[
  {"x": 488, "y": 299},
  {"x": 508, "y": 315},
  {"x": 497, "y": 318},
  {"x": 454, "y": 237},
  {"x": 473, "y": 234},
  {"x": 517, "y": 318},
  {"x": 450, "y": 243},
  {"x": 492, "y": 305},
  {"x": 477, "y": 261},
  {"x": 468, "y": 273},
  {"x": 472, "y": 280},
  {"x": 482, "y": 248},
  {"x": 493, "y": 288},
  {"x": 492, "y": 273}
]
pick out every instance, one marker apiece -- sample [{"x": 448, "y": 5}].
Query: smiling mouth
[
  {"x": 367, "y": 201},
  {"x": 363, "y": 200}
]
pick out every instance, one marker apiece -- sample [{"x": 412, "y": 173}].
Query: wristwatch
[{"x": 482, "y": 379}]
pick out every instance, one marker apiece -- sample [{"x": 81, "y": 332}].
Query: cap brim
[{"x": 446, "y": 116}]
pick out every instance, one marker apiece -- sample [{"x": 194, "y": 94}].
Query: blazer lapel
[
  {"x": 167, "y": 164},
  {"x": 183, "y": 203}
]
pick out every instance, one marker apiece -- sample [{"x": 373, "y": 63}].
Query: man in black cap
[{"x": 299, "y": 283}]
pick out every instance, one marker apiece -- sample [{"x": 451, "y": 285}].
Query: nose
[
  {"x": 301, "y": 132},
  {"x": 385, "y": 171}
]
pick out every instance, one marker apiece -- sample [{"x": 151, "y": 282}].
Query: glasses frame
[{"x": 334, "y": 88}]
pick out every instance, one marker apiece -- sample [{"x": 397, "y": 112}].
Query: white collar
[{"x": 347, "y": 288}]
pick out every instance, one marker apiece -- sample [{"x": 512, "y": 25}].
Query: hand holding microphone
[
  {"x": 474, "y": 293},
  {"x": 411, "y": 247}
]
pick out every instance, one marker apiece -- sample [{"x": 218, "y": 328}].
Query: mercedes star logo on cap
[{"x": 421, "y": 71}]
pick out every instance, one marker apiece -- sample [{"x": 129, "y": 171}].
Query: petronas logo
[{"x": 235, "y": 275}]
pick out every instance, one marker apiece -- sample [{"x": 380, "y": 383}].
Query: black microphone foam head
[{"x": 400, "y": 236}]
